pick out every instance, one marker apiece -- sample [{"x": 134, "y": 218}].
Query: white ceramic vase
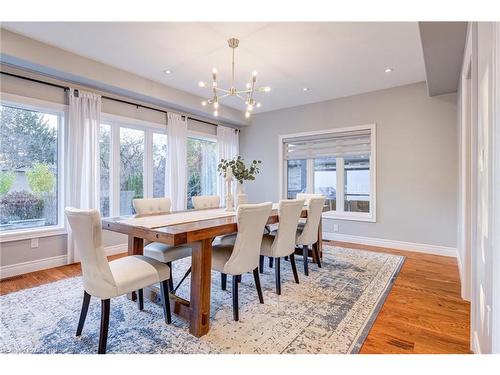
[{"x": 241, "y": 197}]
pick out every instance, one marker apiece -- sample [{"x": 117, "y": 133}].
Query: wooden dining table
[{"x": 198, "y": 233}]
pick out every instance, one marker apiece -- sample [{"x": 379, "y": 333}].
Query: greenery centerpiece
[{"x": 235, "y": 167}]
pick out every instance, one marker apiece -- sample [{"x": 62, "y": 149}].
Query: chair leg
[
  {"x": 316, "y": 253},
  {"x": 305, "y": 255},
  {"x": 235, "y": 298},
  {"x": 103, "y": 335},
  {"x": 256, "y": 278},
  {"x": 277, "y": 275},
  {"x": 223, "y": 281},
  {"x": 271, "y": 262},
  {"x": 261, "y": 264},
  {"x": 294, "y": 268},
  {"x": 286, "y": 258},
  {"x": 182, "y": 280},
  {"x": 165, "y": 301},
  {"x": 140, "y": 299},
  {"x": 83, "y": 313},
  {"x": 171, "y": 279}
]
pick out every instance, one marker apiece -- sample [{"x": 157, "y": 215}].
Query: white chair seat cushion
[
  {"x": 267, "y": 243},
  {"x": 136, "y": 272},
  {"x": 220, "y": 255},
  {"x": 166, "y": 253}
]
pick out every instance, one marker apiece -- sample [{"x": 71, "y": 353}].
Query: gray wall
[{"x": 416, "y": 159}]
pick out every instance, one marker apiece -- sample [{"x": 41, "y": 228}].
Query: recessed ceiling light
[
  {"x": 388, "y": 70},
  {"x": 305, "y": 89},
  {"x": 167, "y": 71}
]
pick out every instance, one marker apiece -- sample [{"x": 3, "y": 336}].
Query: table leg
[
  {"x": 201, "y": 268},
  {"x": 319, "y": 244},
  {"x": 135, "y": 247}
]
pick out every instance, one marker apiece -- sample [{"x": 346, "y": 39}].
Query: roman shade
[{"x": 335, "y": 144}]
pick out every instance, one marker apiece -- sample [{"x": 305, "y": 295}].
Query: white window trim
[
  {"x": 340, "y": 215},
  {"x": 55, "y": 109}
]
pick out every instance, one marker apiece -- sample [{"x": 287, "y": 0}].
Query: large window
[
  {"x": 202, "y": 168},
  {"x": 131, "y": 168},
  {"x": 29, "y": 167},
  {"x": 105, "y": 168},
  {"x": 159, "y": 164},
  {"x": 357, "y": 184},
  {"x": 296, "y": 177},
  {"x": 325, "y": 180},
  {"x": 133, "y": 164},
  {"x": 337, "y": 163},
  {"x": 133, "y": 157}
]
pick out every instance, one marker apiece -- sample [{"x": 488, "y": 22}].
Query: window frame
[
  {"x": 340, "y": 214},
  {"x": 60, "y": 110},
  {"x": 117, "y": 122}
]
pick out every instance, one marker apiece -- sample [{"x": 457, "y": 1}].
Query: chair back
[
  {"x": 246, "y": 252},
  {"x": 307, "y": 196},
  {"x": 145, "y": 206},
  {"x": 205, "y": 201},
  {"x": 86, "y": 230},
  {"x": 289, "y": 211},
  {"x": 309, "y": 234}
]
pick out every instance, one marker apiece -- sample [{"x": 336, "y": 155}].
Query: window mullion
[
  {"x": 340, "y": 185},
  {"x": 310, "y": 176}
]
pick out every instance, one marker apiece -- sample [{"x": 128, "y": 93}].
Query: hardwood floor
[{"x": 422, "y": 314}]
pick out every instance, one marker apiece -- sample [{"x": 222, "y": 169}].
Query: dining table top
[{"x": 180, "y": 227}]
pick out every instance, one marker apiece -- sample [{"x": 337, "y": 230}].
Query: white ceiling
[{"x": 332, "y": 59}]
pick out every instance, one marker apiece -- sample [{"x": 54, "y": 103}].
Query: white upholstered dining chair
[
  {"x": 103, "y": 279},
  {"x": 281, "y": 243},
  {"x": 201, "y": 202},
  {"x": 307, "y": 234},
  {"x": 157, "y": 250},
  {"x": 242, "y": 256}
]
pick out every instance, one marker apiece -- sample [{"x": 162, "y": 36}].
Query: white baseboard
[
  {"x": 392, "y": 244},
  {"x": 32, "y": 266},
  {"x": 43, "y": 264}
]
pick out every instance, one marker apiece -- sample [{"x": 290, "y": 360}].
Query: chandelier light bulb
[
  {"x": 248, "y": 85},
  {"x": 214, "y": 70},
  {"x": 258, "y": 104},
  {"x": 216, "y": 113},
  {"x": 267, "y": 89},
  {"x": 214, "y": 84},
  {"x": 201, "y": 84},
  {"x": 249, "y": 107},
  {"x": 254, "y": 73},
  {"x": 247, "y": 114},
  {"x": 216, "y": 105},
  {"x": 204, "y": 103}
]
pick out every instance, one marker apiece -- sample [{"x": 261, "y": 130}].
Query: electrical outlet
[
  {"x": 335, "y": 227},
  {"x": 34, "y": 243}
]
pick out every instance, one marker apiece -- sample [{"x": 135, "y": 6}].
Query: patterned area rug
[{"x": 331, "y": 311}]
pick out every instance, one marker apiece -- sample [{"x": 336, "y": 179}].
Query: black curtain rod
[{"x": 138, "y": 105}]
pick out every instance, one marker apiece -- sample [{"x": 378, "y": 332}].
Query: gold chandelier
[{"x": 246, "y": 95}]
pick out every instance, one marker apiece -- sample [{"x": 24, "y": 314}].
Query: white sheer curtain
[
  {"x": 228, "y": 145},
  {"x": 176, "y": 176},
  {"x": 82, "y": 156}
]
